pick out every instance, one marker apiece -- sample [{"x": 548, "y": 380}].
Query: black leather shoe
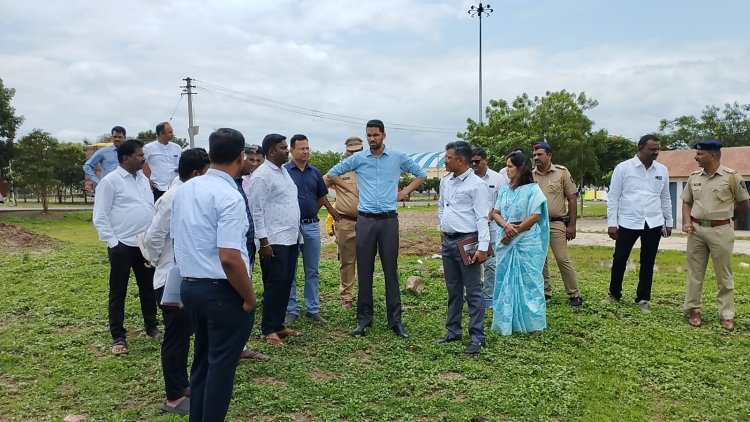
[
  {"x": 473, "y": 349},
  {"x": 447, "y": 339},
  {"x": 359, "y": 331},
  {"x": 400, "y": 330}
]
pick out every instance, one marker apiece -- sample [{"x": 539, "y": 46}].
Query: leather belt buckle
[{"x": 706, "y": 223}]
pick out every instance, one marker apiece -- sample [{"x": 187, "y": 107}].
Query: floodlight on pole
[{"x": 478, "y": 11}]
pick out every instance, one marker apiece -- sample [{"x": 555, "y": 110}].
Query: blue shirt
[
  {"x": 310, "y": 188},
  {"x": 208, "y": 213},
  {"x": 377, "y": 177},
  {"x": 106, "y": 157}
]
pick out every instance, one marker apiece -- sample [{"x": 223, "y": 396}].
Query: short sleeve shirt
[
  {"x": 556, "y": 184},
  {"x": 712, "y": 197}
]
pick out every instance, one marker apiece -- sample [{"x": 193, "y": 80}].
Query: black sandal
[{"x": 119, "y": 347}]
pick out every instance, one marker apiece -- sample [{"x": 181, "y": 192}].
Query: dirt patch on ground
[
  {"x": 360, "y": 356},
  {"x": 17, "y": 239},
  {"x": 450, "y": 376},
  {"x": 301, "y": 417},
  {"x": 273, "y": 382},
  {"x": 317, "y": 375}
]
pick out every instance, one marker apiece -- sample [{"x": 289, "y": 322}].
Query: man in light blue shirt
[
  {"x": 209, "y": 226},
  {"x": 106, "y": 157},
  {"x": 378, "y": 171}
]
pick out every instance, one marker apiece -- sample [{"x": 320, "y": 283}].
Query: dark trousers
[
  {"x": 377, "y": 235},
  {"x": 222, "y": 328},
  {"x": 460, "y": 277},
  {"x": 121, "y": 259},
  {"x": 278, "y": 274},
  {"x": 157, "y": 193},
  {"x": 650, "y": 238},
  {"x": 175, "y": 348}
]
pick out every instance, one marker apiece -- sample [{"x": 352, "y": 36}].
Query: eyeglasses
[{"x": 476, "y": 161}]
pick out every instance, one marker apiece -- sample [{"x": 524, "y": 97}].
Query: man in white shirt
[
  {"x": 158, "y": 249},
  {"x": 638, "y": 206},
  {"x": 123, "y": 209},
  {"x": 494, "y": 182},
  {"x": 463, "y": 211},
  {"x": 209, "y": 226},
  {"x": 162, "y": 157},
  {"x": 276, "y": 215}
]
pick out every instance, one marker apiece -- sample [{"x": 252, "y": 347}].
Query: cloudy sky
[{"x": 314, "y": 67}]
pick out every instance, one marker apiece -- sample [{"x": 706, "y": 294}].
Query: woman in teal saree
[{"x": 521, "y": 213}]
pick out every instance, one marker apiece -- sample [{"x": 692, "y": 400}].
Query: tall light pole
[{"x": 479, "y": 11}]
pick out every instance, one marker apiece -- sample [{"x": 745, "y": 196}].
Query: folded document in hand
[{"x": 468, "y": 245}]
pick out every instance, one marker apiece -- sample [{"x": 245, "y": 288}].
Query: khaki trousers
[
  {"x": 559, "y": 245},
  {"x": 717, "y": 242},
  {"x": 346, "y": 239}
]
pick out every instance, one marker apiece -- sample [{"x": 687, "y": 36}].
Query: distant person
[
  {"x": 311, "y": 195},
  {"x": 162, "y": 157},
  {"x": 105, "y": 157},
  {"x": 253, "y": 159},
  {"x": 638, "y": 206},
  {"x": 158, "y": 249},
  {"x": 276, "y": 216},
  {"x": 561, "y": 193},
  {"x": 209, "y": 224},
  {"x": 378, "y": 171},
  {"x": 463, "y": 212},
  {"x": 712, "y": 196},
  {"x": 344, "y": 229},
  {"x": 521, "y": 213},
  {"x": 123, "y": 209},
  {"x": 494, "y": 183}
]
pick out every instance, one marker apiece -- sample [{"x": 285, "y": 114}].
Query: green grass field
[{"x": 603, "y": 363}]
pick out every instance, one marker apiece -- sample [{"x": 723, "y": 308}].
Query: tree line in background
[{"x": 40, "y": 164}]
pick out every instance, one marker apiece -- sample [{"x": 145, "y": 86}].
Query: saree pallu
[{"x": 518, "y": 301}]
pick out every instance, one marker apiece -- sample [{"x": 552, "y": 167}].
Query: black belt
[
  {"x": 346, "y": 217},
  {"x": 203, "y": 280},
  {"x": 309, "y": 220},
  {"x": 457, "y": 235},
  {"x": 562, "y": 219},
  {"x": 387, "y": 214}
]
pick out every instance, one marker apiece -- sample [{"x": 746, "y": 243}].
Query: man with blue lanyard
[{"x": 378, "y": 171}]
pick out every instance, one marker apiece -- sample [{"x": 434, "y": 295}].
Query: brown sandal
[
  {"x": 119, "y": 347},
  {"x": 272, "y": 340},
  {"x": 288, "y": 332}
]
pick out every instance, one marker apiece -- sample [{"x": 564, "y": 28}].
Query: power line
[
  {"x": 234, "y": 95},
  {"x": 175, "y": 107}
]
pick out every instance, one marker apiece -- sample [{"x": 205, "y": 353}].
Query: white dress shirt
[
  {"x": 208, "y": 213},
  {"x": 123, "y": 207},
  {"x": 639, "y": 196},
  {"x": 162, "y": 160},
  {"x": 463, "y": 206},
  {"x": 494, "y": 182},
  {"x": 157, "y": 243},
  {"x": 274, "y": 206},
  {"x": 504, "y": 177}
]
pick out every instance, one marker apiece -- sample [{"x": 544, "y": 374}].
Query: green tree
[
  {"x": 325, "y": 160},
  {"x": 610, "y": 153},
  {"x": 730, "y": 125},
  {"x": 557, "y": 117},
  {"x": 146, "y": 136},
  {"x": 35, "y": 164},
  {"x": 69, "y": 170},
  {"x": 9, "y": 124},
  {"x": 430, "y": 185}
]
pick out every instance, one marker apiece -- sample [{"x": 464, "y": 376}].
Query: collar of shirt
[
  {"x": 123, "y": 173},
  {"x": 368, "y": 152},
  {"x": 720, "y": 171},
  {"x": 292, "y": 165},
  {"x": 551, "y": 168},
  {"x": 223, "y": 175},
  {"x": 463, "y": 175}
]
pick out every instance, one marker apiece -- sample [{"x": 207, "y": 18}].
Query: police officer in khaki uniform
[
  {"x": 713, "y": 196},
  {"x": 561, "y": 192},
  {"x": 346, "y": 239}
]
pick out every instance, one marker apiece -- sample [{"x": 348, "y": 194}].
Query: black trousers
[
  {"x": 377, "y": 235},
  {"x": 222, "y": 328},
  {"x": 650, "y": 238},
  {"x": 175, "y": 347},
  {"x": 278, "y": 274},
  {"x": 121, "y": 259},
  {"x": 157, "y": 193}
]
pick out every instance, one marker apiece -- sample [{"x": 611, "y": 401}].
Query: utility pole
[
  {"x": 192, "y": 130},
  {"x": 479, "y": 11}
]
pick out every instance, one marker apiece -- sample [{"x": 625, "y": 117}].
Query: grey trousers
[
  {"x": 460, "y": 277},
  {"x": 488, "y": 267},
  {"x": 377, "y": 235}
]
